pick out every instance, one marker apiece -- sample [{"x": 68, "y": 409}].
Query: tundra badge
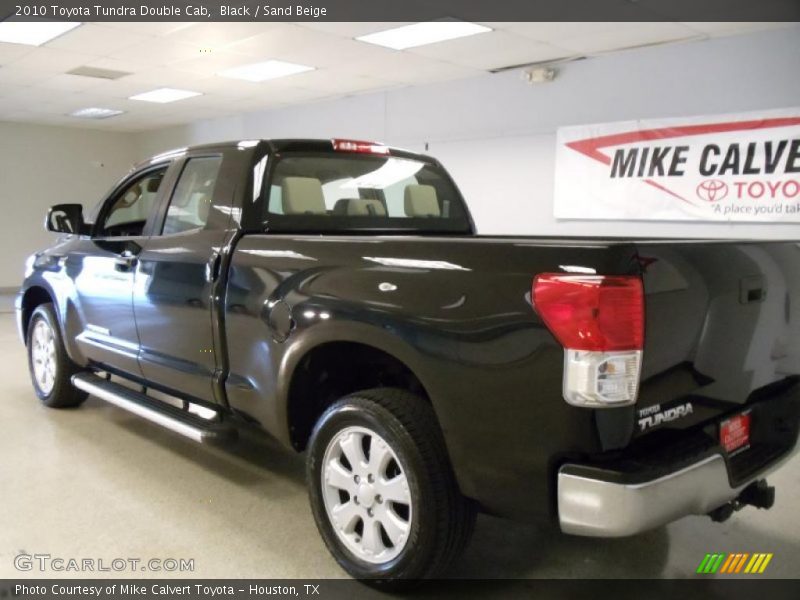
[{"x": 653, "y": 416}]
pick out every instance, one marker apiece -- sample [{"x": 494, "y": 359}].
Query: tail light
[
  {"x": 359, "y": 146},
  {"x": 600, "y": 323}
]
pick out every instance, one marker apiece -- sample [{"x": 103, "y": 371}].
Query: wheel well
[
  {"x": 331, "y": 371},
  {"x": 33, "y": 297}
]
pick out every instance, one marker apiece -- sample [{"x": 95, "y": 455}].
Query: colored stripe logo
[{"x": 734, "y": 563}]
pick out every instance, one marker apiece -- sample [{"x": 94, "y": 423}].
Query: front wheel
[
  {"x": 50, "y": 366},
  {"x": 382, "y": 490}
]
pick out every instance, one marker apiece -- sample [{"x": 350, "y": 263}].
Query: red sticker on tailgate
[{"x": 734, "y": 433}]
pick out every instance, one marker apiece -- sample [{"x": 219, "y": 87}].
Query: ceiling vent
[{"x": 97, "y": 73}]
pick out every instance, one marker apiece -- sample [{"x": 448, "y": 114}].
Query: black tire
[
  {"x": 62, "y": 394},
  {"x": 443, "y": 519}
]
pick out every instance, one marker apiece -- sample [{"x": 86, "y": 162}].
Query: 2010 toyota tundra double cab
[{"x": 336, "y": 295}]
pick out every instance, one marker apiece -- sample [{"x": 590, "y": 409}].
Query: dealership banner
[{"x": 736, "y": 167}]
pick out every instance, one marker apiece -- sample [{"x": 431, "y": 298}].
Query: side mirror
[{"x": 66, "y": 218}]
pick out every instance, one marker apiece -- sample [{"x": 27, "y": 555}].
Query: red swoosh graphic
[{"x": 591, "y": 146}]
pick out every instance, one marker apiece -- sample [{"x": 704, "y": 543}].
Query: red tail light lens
[
  {"x": 592, "y": 313},
  {"x": 359, "y": 146}
]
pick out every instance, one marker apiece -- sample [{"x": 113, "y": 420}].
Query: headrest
[
  {"x": 302, "y": 195},
  {"x": 421, "y": 201},
  {"x": 153, "y": 184},
  {"x": 203, "y": 208},
  {"x": 359, "y": 207}
]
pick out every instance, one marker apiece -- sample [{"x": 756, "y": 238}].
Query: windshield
[{"x": 346, "y": 192}]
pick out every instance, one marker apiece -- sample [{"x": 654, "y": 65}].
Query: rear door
[{"x": 176, "y": 275}]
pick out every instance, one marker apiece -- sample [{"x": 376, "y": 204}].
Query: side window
[
  {"x": 130, "y": 208},
  {"x": 191, "y": 200}
]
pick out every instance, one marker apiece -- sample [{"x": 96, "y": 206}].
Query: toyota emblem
[{"x": 712, "y": 190}]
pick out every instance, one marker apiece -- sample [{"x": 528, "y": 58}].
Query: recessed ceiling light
[
  {"x": 95, "y": 113},
  {"x": 164, "y": 95},
  {"x": 33, "y": 34},
  {"x": 262, "y": 71},
  {"x": 420, "y": 34}
]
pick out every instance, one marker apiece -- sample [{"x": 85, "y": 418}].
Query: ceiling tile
[
  {"x": 126, "y": 66},
  {"x": 10, "y": 52},
  {"x": 150, "y": 29},
  {"x": 293, "y": 43},
  {"x": 96, "y": 40},
  {"x": 10, "y": 104},
  {"x": 351, "y": 29},
  {"x": 324, "y": 50},
  {"x": 38, "y": 95},
  {"x": 206, "y": 64},
  {"x": 277, "y": 36},
  {"x": 213, "y": 35},
  {"x": 69, "y": 83},
  {"x": 157, "y": 52},
  {"x": 162, "y": 77},
  {"x": 52, "y": 60},
  {"x": 720, "y": 29},
  {"x": 491, "y": 50},
  {"x": 224, "y": 87},
  {"x": 17, "y": 76},
  {"x": 119, "y": 88},
  {"x": 554, "y": 32},
  {"x": 627, "y": 35},
  {"x": 285, "y": 95},
  {"x": 404, "y": 67},
  {"x": 335, "y": 81}
]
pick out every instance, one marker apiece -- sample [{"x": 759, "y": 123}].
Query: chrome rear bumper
[{"x": 593, "y": 507}]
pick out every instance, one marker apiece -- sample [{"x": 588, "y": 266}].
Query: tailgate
[{"x": 722, "y": 329}]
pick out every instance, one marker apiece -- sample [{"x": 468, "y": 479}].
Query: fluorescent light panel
[
  {"x": 33, "y": 34},
  {"x": 95, "y": 113},
  {"x": 164, "y": 95},
  {"x": 262, "y": 71},
  {"x": 421, "y": 34}
]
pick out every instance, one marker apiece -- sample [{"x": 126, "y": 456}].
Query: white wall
[
  {"x": 496, "y": 134},
  {"x": 41, "y": 166}
]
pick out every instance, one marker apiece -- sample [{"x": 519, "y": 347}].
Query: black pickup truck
[{"x": 334, "y": 293}]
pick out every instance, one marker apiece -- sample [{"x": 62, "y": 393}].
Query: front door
[
  {"x": 175, "y": 279},
  {"x": 103, "y": 269}
]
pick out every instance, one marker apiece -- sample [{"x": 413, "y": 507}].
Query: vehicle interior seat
[
  {"x": 359, "y": 207},
  {"x": 203, "y": 208},
  {"x": 302, "y": 196},
  {"x": 421, "y": 201}
]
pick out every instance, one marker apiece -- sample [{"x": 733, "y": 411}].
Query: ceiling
[{"x": 35, "y": 86}]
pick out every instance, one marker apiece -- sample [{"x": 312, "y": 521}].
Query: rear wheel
[
  {"x": 382, "y": 490},
  {"x": 50, "y": 367}
]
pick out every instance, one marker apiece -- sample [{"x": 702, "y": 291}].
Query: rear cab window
[{"x": 349, "y": 191}]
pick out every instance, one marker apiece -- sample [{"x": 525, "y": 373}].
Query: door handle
[
  {"x": 212, "y": 267},
  {"x": 125, "y": 261}
]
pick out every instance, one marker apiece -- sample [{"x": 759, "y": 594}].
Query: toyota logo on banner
[{"x": 712, "y": 190}]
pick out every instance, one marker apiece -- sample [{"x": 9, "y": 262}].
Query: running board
[{"x": 178, "y": 420}]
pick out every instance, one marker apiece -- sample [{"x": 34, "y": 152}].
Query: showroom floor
[{"x": 100, "y": 483}]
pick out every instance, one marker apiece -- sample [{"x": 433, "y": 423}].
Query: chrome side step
[{"x": 180, "y": 421}]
